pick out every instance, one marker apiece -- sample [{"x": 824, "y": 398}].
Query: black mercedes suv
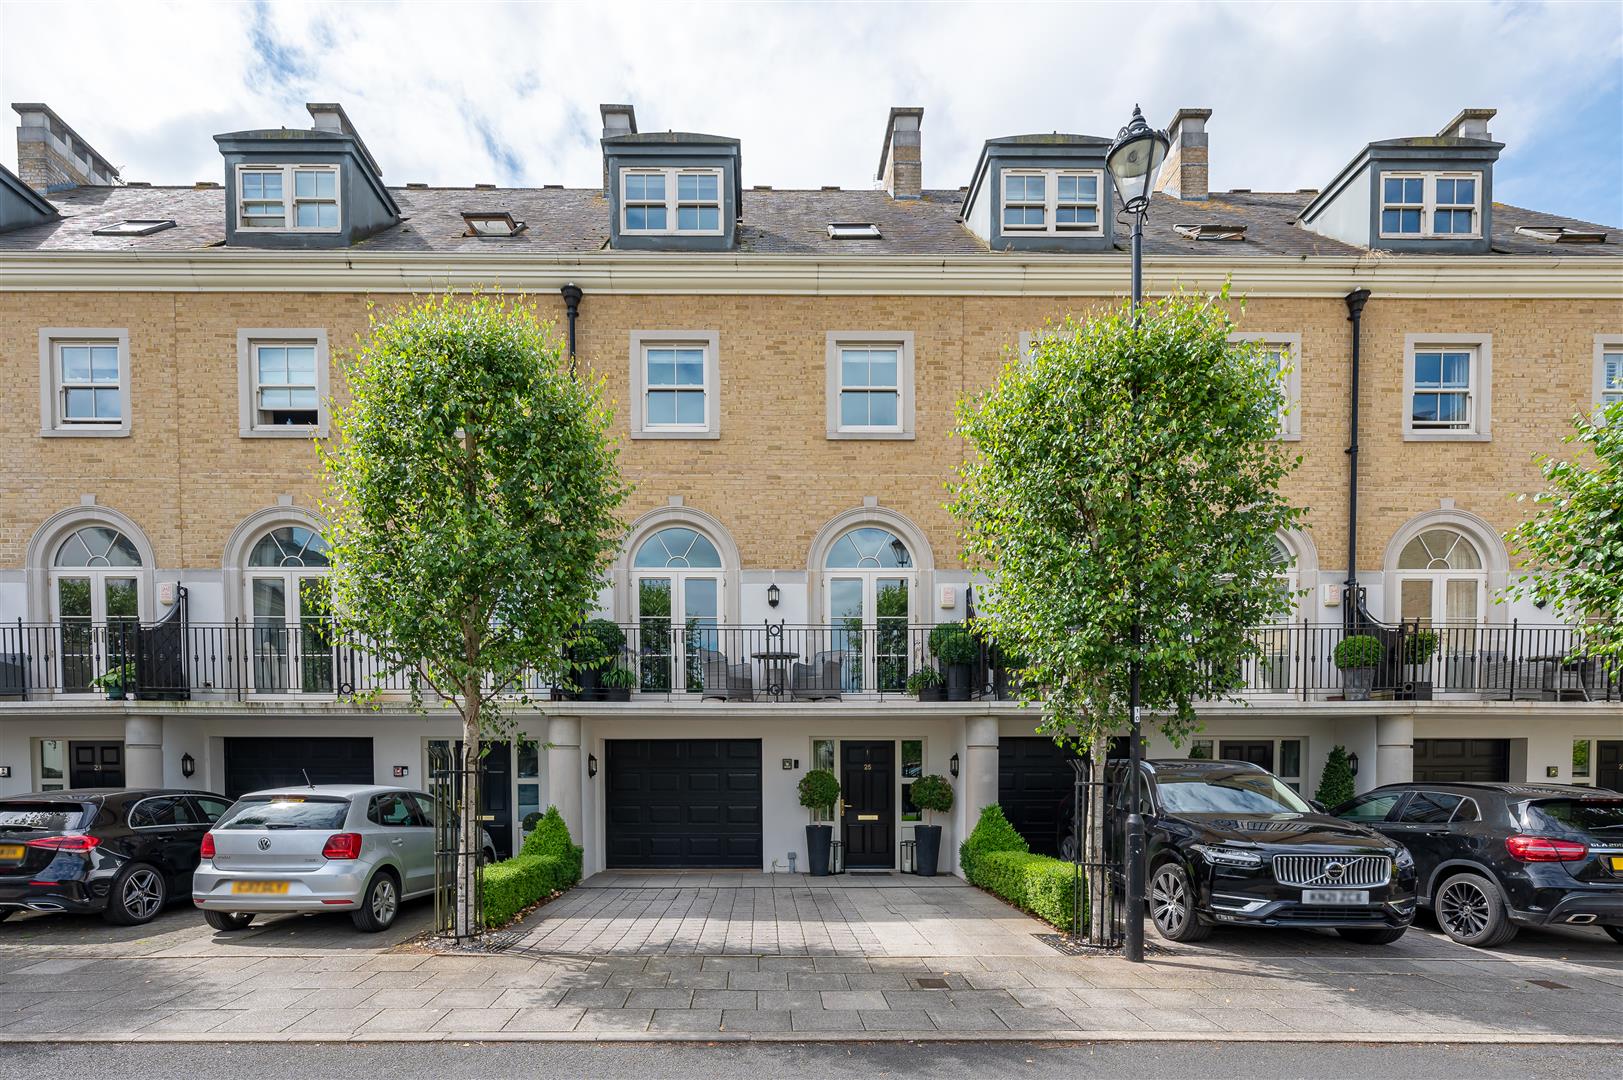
[
  {"x": 1496, "y": 856},
  {"x": 1229, "y": 843},
  {"x": 122, "y": 853}
]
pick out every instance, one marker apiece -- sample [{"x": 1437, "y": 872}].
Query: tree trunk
[
  {"x": 1095, "y": 856},
  {"x": 468, "y": 830}
]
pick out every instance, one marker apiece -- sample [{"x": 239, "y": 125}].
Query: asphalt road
[{"x": 727, "y": 1061}]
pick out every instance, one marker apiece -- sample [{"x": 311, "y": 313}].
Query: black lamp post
[{"x": 1133, "y": 161}]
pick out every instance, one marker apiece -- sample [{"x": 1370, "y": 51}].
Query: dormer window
[
  {"x": 1430, "y": 204},
  {"x": 1051, "y": 201},
  {"x": 492, "y": 224},
  {"x": 288, "y": 198},
  {"x": 135, "y": 227},
  {"x": 671, "y": 201}
]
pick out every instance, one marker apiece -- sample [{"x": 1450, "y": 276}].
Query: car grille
[
  {"x": 1332, "y": 871},
  {"x": 1331, "y": 914}
]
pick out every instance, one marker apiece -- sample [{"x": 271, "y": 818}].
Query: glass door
[
  {"x": 868, "y": 618},
  {"x": 678, "y": 615},
  {"x": 292, "y": 637},
  {"x": 99, "y": 615}
]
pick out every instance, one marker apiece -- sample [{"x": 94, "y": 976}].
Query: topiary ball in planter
[
  {"x": 931, "y": 794},
  {"x": 819, "y": 789},
  {"x": 955, "y": 648},
  {"x": 1357, "y": 656}
]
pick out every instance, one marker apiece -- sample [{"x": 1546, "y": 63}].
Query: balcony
[{"x": 767, "y": 662}]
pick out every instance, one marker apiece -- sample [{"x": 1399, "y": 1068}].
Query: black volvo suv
[
  {"x": 1232, "y": 844},
  {"x": 1496, "y": 856}
]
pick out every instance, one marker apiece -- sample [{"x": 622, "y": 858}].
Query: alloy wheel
[
  {"x": 1169, "y": 899},
  {"x": 1464, "y": 909},
  {"x": 142, "y": 895},
  {"x": 384, "y": 901}
]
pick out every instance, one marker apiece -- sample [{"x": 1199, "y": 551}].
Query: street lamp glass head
[{"x": 1134, "y": 160}]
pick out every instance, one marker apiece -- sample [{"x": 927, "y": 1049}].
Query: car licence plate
[
  {"x": 274, "y": 888},
  {"x": 1617, "y": 863},
  {"x": 1335, "y": 896},
  {"x": 11, "y": 852}
]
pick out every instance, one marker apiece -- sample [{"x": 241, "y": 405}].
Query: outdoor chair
[
  {"x": 728, "y": 682},
  {"x": 818, "y": 680}
]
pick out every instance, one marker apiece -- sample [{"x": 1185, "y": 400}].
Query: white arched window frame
[
  {"x": 275, "y": 572},
  {"x": 676, "y": 589},
  {"x": 870, "y": 602},
  {"x": 95, "y": 588}
]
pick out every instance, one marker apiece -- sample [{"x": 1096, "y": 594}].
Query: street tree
[
  {"x": 1573, "y": 546},
  {"x": 472, "y": 490}
]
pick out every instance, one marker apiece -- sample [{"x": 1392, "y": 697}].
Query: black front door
[
  {"x": 95, "y": 764},
  {"x": 495, "y": 792},
  {"x": 1609, "y": 765},
  {"x": 868, "y": 786},
  {"x": 1254, "y": 753}
]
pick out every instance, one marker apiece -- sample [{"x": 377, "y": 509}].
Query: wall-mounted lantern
[
  {"x": 188, "y": 765},
  {"x": 953, "y": 766},
  {"x": 591, "y": 765},
  {"x": 1352, "y": 763},
  {"x": 772, "y": 595}
]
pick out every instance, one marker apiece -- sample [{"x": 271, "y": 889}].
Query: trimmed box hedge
[
  {"x": 1039, "y": 884},
  {"x": 549, "y": 862}
]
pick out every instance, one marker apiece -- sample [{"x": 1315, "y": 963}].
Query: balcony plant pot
[
  {"x": 927, "y": 850},
  {"x": 1357, "y": 683},
  {"x": 932, "y": 794},
  {"x": 957, "y": 651},
  {"x": 819, "y": 839},
  {"x": 926, "y": 684},
  {"x": 588, "y": 682},
  {"x": 616, "y": 684},
  {"x": 958, "y": 682},
  {"x": 1358, "y": 655}
]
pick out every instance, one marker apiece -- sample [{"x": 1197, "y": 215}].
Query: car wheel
[
  {"x": 379, "y": 904},
  {"x": 1470, "y": 911},
  {"x": 1067, "y": 847},
  {"x": 228, "y": 920},
  {"x": 487, "y": 856},
  {"x": 1616, "y": 933},
  {"x": 1361, "y": 935},
  {"x": 138, "y": 894},
  {"x": 1172, "y": 905}
]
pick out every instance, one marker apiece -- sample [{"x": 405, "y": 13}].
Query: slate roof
[{"x": 783, "y": 222}]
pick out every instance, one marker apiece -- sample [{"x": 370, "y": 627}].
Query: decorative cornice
[{"x": 1001, "y": 274}]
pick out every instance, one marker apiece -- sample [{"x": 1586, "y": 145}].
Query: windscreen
[
  {"x": 1230, "y": 793},
  {"x": 1598, "y": 818},
  {"x": 285, "y": 812},
  {"x": 41, "y": 817}
]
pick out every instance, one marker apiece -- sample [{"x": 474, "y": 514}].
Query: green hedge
[
  {"x": 1039, "y": 884},
  {"x": 549, "y": 862},
  {"x": 991, "y": 833}
]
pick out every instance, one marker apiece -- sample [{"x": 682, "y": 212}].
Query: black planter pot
[
  {"x": 927, "y": 853},
  {"x": 1000, "y": 684},
  {"x": 616, "y": 693},
  {"x": 933, "y": 693},
  {"x": 818, "y": 839},
  {"x": 590, "y": 681},
  {"x": 958, "y": 676}
]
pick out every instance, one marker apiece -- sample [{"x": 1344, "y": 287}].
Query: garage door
[
  {"x": 1033, "y": 778},
  {"x": 1439, "y": 761},
  {"x": 253, "y": 764},
  {"x": 683, "y": 802}
]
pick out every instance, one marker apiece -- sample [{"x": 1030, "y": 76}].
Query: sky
[{"x": 508, "y": 93}]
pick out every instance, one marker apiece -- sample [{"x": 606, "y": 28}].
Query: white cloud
[{"x": 508, "y": 93}]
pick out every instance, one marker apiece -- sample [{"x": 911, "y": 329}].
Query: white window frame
[
  {"x": 641, "y": 342},
  {"x": 248, "y": 425},
  {"x": 1605, "y": 343},
  {"x": 290, "y": 200},
  {"x": 902, "y": 342},
  {"x": 1290, "y": 423},
  {"x": 51, "y": 339},
  {"x": 1051, "y": 203},
  {"x": 1428, "y": 205},
  {"x": 673, "y": 203},
  {"x": 1480, "y": 392}
]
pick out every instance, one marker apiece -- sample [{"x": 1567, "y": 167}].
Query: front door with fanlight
[
  {"x": 289, "y": 603},
  {"x": 868, "y": 588},
  {"x": 96, "y": 602}
]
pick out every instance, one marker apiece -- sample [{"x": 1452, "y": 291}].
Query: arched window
[
  {"x": 676, "y": 581},
  {"x": 1441, "y": 579},
  {"x": 96, "y": 600},
  {"x": 868, "y": 586},
  {"x": 289, "y": 601}
]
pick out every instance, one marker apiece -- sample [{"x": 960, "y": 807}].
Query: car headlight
[
  {"x": 1404, "y": 860},
  {"x": 1223, "y": 856}
]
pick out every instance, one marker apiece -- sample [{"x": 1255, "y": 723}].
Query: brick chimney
[
  {"x": 330, "y": 116},
  {"x": 52, "y": 157},
  {"x": 617, "y": 120},
  {"x": 1469, "y": 124},
  {"x": 1183, "y": 174},
  {"x": 901, "y": 163}
]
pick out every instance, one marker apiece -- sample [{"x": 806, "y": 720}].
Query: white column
[
  {"x": 563, "y": 775},
  {"x": 980, "y": 766},
  {"x": 1394, "y": 749},
  {"x": 143, "y": 751}
]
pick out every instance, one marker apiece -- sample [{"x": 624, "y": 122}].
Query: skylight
[
  {"x": 491, "y": 223},
  {"x": 1559, "y": 234},
  {"x": 853, "y": 230},
  {"x": 1211, "y": 230},
  {"x": 135, "y": 227}
]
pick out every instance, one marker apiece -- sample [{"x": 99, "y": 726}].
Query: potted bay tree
[
  {"x": 931, "y": 794},
  {"x": 819, "y": 791},
  {"x": 1358, "y": 655}
]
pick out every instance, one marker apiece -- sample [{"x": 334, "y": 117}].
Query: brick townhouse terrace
[{"x": 783, "y": 365}]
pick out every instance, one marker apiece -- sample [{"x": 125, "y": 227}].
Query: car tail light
[
  {"x": 207, "y": 850},
  {"x": 75, "y": 842},
  {"x": 1546, "y": 849},
  {"x": 344, "y": 845}
]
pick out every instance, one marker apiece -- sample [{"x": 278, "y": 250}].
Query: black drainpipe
[
  {"x": 1351, "y": 607},
  {"x": 572, "y": 294}
]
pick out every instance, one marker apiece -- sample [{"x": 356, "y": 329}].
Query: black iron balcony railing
[{"x": 660, "y": 658}]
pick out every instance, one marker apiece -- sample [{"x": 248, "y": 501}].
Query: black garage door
[
  {"x": 253, "y": 764},
  {"x": 1438, "y": 761},
  {"x": 683, "y": 802},
  {"x": 1033, "y": 777}
]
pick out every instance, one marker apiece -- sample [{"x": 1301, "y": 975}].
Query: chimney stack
[
  {"x": 1469, "y": 124},
  {"x": 52, "y": 157},
  {"x": 901, "y": 163},
  {"x": 330, "y": 116},
  {"x": 1183, "y": 174},
  {"x": 617, "y": 120}
]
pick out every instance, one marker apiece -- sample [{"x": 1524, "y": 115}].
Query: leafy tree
[
  {"x": 1574, "y": 545},
  {"x": 1128, "y": 474},
  {"x": 1336, "y": 781},
  {"x": 472, "y": 490}
]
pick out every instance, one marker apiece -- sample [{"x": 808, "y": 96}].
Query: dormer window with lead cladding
[{"x": 659, "y": 201}]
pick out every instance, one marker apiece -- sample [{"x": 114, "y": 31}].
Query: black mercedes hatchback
[
  {"x": 1494, "y": 857},
  {"x": 123, "y": 853},
  {"x": 1231, "y": 844}
]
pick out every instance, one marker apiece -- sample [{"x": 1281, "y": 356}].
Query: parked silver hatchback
[{"x": 327, "y": 847}]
